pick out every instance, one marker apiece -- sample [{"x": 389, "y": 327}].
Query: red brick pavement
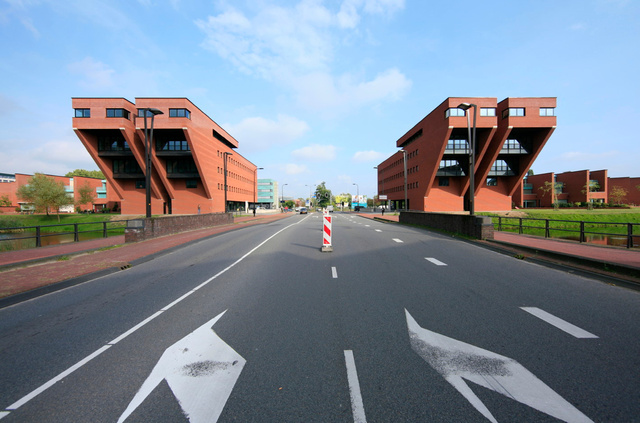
[{"x": 72, "y": 260}]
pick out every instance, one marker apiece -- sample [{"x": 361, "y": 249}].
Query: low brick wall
[
  {"x": 479, "y": 227},
  {"x": 142, "y": 229}
]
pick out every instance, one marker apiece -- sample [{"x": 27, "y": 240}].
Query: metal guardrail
[
  {"x": 583, "y": 229},
  {"x": 106, "y": 227}
]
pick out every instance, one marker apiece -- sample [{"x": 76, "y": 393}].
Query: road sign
[
  {"x": 201, "y": 370},
  {"x": 326, "y": 232}
]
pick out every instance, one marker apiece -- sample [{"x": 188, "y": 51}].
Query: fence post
[
  {"x": 76, "y": 238},
  {"x": 104, "y": 229},
  {"x": 499, "y": 223},
  {"x": 520, "y": 226},
  {"x": 547, "y": 234},
  {"x": 583, "y": 238},
  {"x": 629, "y": 235},
  {"x": 38, "y": 239}
]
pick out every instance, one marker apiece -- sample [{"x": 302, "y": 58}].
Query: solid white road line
[
  {"x": 559, "y": 323},
  {"x": 334, "y": 273},
  {"x": 357, "y": 406},
  {"x": 99, "y": 351},
  {"x": 397, "y": 240},
  {"x": 435, "y": 261}
]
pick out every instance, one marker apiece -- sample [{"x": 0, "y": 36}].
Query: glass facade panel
[
  {"x": 180, "y": 113},
  {"x": 82, "y": 113}
]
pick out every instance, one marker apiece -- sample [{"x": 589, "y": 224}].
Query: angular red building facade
[
  {"x": 190, "y": 155},
  {"x": 509, "y": 136}
]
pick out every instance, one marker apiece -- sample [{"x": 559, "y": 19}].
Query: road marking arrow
[
  {"x": 456, "y": 360},
  {"x": 201, "y": 370}
]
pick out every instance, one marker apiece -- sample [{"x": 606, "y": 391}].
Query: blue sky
[{"x": 320, "y": 90}]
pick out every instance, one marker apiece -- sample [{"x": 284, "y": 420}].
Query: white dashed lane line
[
  {"x": 334, "y": 273},
  {"x": 559, "y": 323},
  {"x": 435, "y": 261},
  {"x": 397, "y": 240}
]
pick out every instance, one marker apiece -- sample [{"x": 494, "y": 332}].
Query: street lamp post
[
  {"x": 309, "y": 194},
  {"x": 472, "y": 156},
  {"x": 404, "y": 161},
  {"x": 357, "y": 194},
  {"x": 282, "y": 201},
  {"x": 255, "y": 202},
  {"x": 226, "y": 205},
  {"x": 147, "y": 148}
]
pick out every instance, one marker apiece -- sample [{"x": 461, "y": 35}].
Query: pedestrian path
[{"x": 27, "y": 270}]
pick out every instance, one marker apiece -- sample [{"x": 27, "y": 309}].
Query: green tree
[
  {"x": 86, "y": 195},
  {"x": 289, "y": 204},
  {"x": 617, "y": 194},
  {"x": 44, "y": 193},
  {"x": 552, "y": 188},
  {"x": 323, "y": 195},
  {"x": 5, "y": 201},
  {"x": 86, "y": 173}
]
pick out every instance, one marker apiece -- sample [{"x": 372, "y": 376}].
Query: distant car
[
  {"x": 303, "y": 210},
  {"x": 330, "y": 209}
]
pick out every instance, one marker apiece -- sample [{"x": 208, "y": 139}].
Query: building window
[
  {"x": 192, "y": 183},
  {"x": 512, "y": 146},
  {"x": 141, "y": 184},
  {"x": 455, "y": 146},
  {"x": 501, "y": 168},
  {"x": 492, "y": 182},
  {"x": 487, "y": 111},
  {"x": 449, "y": 168},
  {"x": 83, "y": 113},
  {"x": 454, "y": 111},
  {"x": 180, "y": 113},
  {"x": 443, "y": 182},
  {"x": 177, "y": 145},
  {"x": 126, "y": 166},
  {"x": 118, "y": 113},
  {"x": 141, "y": 113},
  {"x": 547, "y": 111},
  {"x": 513, "y": 111},
  {"x": 112, "y": 143}
]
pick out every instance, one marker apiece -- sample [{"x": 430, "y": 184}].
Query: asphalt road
[{"x": 258, "y": 325}]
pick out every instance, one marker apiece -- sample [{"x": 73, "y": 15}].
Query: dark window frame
[{"x": 82, "y": 113}]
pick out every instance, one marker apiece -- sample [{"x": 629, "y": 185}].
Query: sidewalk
[{"x": 27, "y": 273}]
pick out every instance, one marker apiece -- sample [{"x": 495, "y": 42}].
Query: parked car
[{"x": 303, "y": 210}]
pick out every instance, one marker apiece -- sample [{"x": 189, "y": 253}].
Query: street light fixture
[
  {"x": 357, "y": 193},
  {"x": 472, "y": 156},
  {"x": 148, "y": 140},
  {"x": 282, "y": 201},
  {"x": 226, "y": 205}
]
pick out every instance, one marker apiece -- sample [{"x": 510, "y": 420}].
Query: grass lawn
[
  {"x": 613, "y": 215},
  {"x": 65, "y": 219}
]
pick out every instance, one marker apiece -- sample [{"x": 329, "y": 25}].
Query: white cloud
[
  {"x": 258, "y": 133},
  {"x": 322, "y": 92},
  {"x": 315, "y": 152},
  {"x": 96, "y": 75},
  {"x": 368, "y": 156},
  {"x": 294, "y": 169},
  {"x": 582, "y": 156},
  {"x": 295, "y": 47}
]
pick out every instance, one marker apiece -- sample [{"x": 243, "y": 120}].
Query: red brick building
[
  {"x": 10, "y": 183},
  {"x": 581, "y": 186},
  {"x": 630, "y": 185},
  {"x": 189, "y": 154},
  {"x": 509, "y": 137}
]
